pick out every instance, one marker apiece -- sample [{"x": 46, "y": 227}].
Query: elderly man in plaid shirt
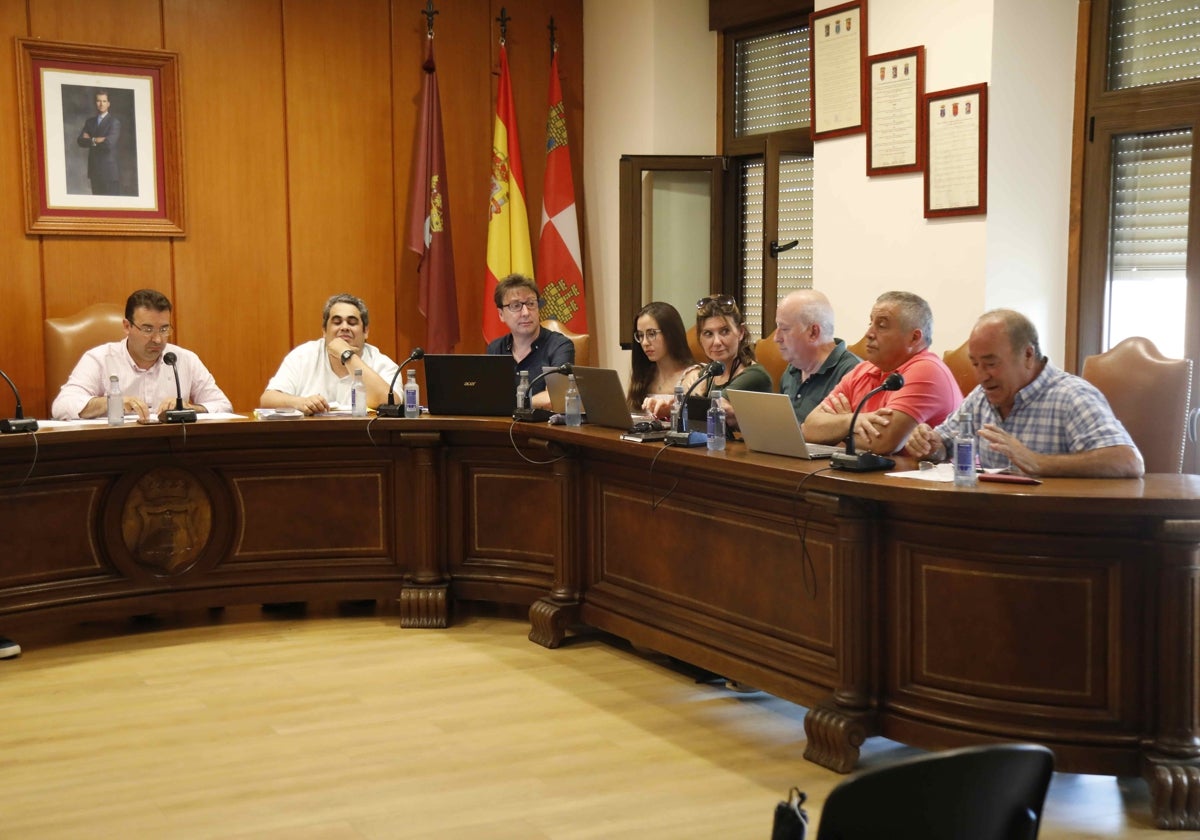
[{"x": 1030, "y": 416}]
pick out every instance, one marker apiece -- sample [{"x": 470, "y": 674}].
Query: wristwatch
[{"x": 347, "y": 355}]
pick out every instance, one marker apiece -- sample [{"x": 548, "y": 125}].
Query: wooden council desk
[{"x": 1066, "y": 614}]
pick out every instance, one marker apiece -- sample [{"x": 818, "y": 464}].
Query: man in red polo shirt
[{"x": 898, "y": 339}]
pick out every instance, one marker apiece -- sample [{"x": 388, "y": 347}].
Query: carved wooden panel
[
  {"x": 330, "y": 511},
  {"x": 1008, "y": 626},
  {"x": 50, "y": 532}
]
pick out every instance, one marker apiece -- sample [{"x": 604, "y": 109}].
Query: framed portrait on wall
[{"x": 101, "y": 142}]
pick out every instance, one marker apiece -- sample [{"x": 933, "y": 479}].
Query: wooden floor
[{"x": 333, "y": 725}]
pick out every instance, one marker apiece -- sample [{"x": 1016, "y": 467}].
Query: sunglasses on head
[{"x": 723, "y": 302}]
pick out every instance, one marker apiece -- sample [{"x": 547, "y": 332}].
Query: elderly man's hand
[{"x": 1021, "y": 456}]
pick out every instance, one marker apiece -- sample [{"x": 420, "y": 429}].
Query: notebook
[
  {"x": 473, "y": 385},
  {"x": 768, "y": 424},
  {"x": 601, "y": 393}
]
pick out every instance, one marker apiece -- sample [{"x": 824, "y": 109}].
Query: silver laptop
[
  {"x": 768, "y": 424},
  {"x": 601, "y": 393}
]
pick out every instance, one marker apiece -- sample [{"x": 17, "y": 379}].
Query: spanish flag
[
  {"x": 508, "y": 249},
  {"x": 559, "y": 264}
]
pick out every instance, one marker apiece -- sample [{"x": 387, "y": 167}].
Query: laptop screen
[{"x": 472, "y": 385}]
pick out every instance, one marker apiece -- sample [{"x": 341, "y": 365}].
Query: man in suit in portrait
[{"x": 101, "y": 136}]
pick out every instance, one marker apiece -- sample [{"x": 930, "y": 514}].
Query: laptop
[
  {"x": 768, "y": 424},
  {"x": 601, "y": 393},
  {"x": 471, "y": 385}
]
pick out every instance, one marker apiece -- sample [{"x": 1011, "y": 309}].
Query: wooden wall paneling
[
  {"x": 136, "y": 24},
  {"x": 232, "y": 285},
  {"x": 20, "y": 280},
  {"x": 340, "y": 167}
]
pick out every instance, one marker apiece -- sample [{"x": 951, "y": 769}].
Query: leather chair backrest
[
  {"x": 767, "y": 353},
  {"x": 582, "y": 341},
  {"x": 694, "y": 345},
  {"x": 66, "y": 340},
  {"x": 992, "y": 792},
  {"x": 859, "y": 348},
  {"x": 960, "y": 365},
  {"x": 1150, "y": 394}
]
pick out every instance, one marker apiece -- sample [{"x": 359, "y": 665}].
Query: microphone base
[
  {"x": 18, "y": 424},
  {"x": 180, "y": 415},
  {"x": 860, "y": 462},
  {"x": 686, "y": 439},
  {"x": 531, "y": 415},
  {"x": 390, "y": 409}
]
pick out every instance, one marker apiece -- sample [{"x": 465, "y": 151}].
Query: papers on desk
[
  {"x": 943, "y": 473},
  {"x": 131, "y": 420}
]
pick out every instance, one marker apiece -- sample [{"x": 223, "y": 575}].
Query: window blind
[
  {"x": 771, "y": 86},
  {"x": 1151, "y": 195},
  {"x": 1151, "y": 42}
]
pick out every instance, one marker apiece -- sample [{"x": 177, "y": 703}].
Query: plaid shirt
[{"x": 1055, "y": 414}]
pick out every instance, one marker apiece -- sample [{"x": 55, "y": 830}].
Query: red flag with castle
[
  {"x": 559, "y": 265},
  {"x": 508, "y": 248},
  {"x": 429, "y": 220}
]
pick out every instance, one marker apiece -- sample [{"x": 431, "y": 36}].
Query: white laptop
[
  {"x": 768, "y": 424},
  {"x": 601, "y": 393}
]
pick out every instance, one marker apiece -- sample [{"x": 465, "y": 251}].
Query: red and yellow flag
[
  {"x": 429, "y": 220},
  {"x": 508, "y": 248},
  {"x": 559, "y": 263}
]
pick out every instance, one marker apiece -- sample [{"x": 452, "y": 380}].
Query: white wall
[
  {"x": 650, "y": 86},
  {"x": 651, "y": 83}
]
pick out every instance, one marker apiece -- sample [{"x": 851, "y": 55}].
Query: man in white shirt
[
  {"x": 147, "y": 384},
  {"x": 318, "y": 374}
]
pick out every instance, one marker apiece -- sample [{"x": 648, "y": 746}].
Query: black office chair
[{"x": 990, "y": 792}]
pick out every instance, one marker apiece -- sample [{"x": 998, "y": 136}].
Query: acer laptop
[
  {"x": 471, "y": 385},
  {"x": 601, "y": 393},
  {"x": 768, "y": 424}
]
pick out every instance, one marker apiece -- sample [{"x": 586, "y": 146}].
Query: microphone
[
  {"x": 18, "y": 423},
  {"x": 527, "y": 414},
  {"x": 683, "y": 437},
  {"x": 178, "y": 414},
  {"x": 865, "y": 461},
  {"x": 391, "y": 409}
]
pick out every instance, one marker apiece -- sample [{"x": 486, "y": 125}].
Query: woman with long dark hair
[{"x": 661, "y": 356}]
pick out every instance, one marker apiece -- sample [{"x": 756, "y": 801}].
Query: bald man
[{"x": 1030, "y": 416}]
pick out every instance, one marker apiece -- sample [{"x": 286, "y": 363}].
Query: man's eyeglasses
[
  {"x": 646, "y": 335},
  {"x": 722, "y": 302},
  {"x": 147, "y": 330},
  {"x": 517, "y": 305}
]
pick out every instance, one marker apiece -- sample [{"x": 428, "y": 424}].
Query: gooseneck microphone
[
  {"x": 390, "y": 409},
  {"x": 681, "y": 436},
  {"x": 528, "y": 414},
  {"x": 178, "y": 414},
  {"x": 865, "y": 461},
  {"x": 18, "y": 423}
]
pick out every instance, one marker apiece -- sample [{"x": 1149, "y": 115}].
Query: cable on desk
[
  {"x": 808, "y": 574},
  {"x": 525, "y": 457}
]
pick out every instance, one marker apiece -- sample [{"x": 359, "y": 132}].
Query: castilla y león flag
[
  {"x": 508, "y": 248},
  {"x": 559, "y": 265},
  {"x": 429, "y": 220}
]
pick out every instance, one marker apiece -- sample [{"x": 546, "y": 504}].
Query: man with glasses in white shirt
[
  {"x": 147, "y": 384},
  {"x": 532, "y": 347}
]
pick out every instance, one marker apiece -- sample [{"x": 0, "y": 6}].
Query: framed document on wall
[
  {"x": 100, "y": 140},
  {"x": 956, "y": 151},
  {"x": 837, "y": 44},
  {"x": 895, "y": 130}
]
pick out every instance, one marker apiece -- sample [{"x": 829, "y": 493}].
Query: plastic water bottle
[
  {"x": 523, "y": 391},
  {"x": 716, "y": 424},
  {"x": 358, "y": 395},
  {"x": 574, "y": 408},
  {"x": 412, "y": 396},
  {"x": 116, "y": 403},
  {"x": 678, "y": 411},
  {"x": 964, "y": 452}
]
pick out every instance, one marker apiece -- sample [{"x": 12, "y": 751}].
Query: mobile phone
[{"x": 1009, "y": 478}]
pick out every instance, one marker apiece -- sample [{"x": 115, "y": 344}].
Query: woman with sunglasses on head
[
  {"x": 661, "y": 356},
  {"x": 724, "y": 338}
]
